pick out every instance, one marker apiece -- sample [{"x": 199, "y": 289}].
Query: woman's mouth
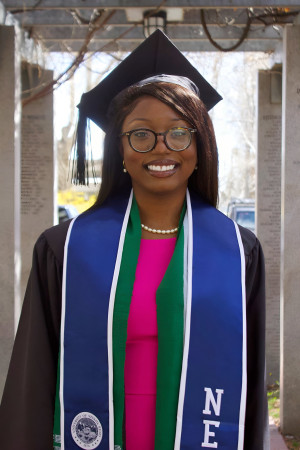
[{"x": 162, "y": 168}]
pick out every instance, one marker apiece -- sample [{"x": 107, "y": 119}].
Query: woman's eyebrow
[{"x": 139, "y": 119}]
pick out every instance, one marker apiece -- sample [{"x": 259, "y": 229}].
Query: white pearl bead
[{"x": 153, "y": 230}]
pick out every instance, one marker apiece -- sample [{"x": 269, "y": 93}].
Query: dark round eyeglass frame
[{"x": 164, "y": 134}]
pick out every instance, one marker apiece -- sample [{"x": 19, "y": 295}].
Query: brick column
[
  {"x": 290, "y": 269},
  {"x": 10, "y": 116},
  {"x": 268, "y": 205},
  {"x": 37, "y": 165}
]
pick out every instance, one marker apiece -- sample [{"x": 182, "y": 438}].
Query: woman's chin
[{"x": 161, "y": 187}]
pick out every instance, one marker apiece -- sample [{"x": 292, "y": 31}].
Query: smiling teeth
[{"x": 161, "y": 168}]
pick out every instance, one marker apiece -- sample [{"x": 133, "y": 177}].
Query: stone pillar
[
  {"x": 290, "y": 269},
  {"x": 268, "y": 205},
  {"x": 37, "y": 166},
  {"x": 10, "y": 116}
]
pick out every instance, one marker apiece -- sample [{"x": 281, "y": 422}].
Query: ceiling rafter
[
  {"x": 108, "y": 26},
  {"x": 225, "y": 25}
]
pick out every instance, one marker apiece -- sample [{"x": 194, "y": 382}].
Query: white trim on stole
[
  {"x": 62, "y": 334},
  {"x": 244, "y": 362},
  {"x": 188, "y": 237},
  {"x": 110, "y": 322}
]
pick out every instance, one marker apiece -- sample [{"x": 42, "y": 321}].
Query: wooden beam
[{"x": 115, "y": 4}]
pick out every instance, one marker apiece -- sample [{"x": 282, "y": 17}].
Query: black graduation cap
[{"x": 156, "y": 55}]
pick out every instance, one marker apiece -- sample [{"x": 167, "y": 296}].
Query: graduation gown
[{"x": 27, "y": 409}]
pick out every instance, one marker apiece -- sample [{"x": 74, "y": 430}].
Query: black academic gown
[{"x": 27, "y": 409}]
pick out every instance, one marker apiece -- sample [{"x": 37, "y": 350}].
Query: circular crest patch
[{"x": 86, "y": 430}]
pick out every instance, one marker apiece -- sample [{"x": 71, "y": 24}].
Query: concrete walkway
[{"x": 276, "y": 440}]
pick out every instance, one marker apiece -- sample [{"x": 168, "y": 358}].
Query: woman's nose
[{"x": 161, "y": 144}]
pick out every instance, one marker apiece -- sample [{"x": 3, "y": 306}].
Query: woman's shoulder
[
  {"x": 53, "y": 240},
  {"x": 249, "y": 239}
]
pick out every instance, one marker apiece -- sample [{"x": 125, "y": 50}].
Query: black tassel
[
  {"x": 80, "y": 149},
  {"x": 81, "y": 156}
]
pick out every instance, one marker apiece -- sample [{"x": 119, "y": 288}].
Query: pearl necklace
[{"x": 153, "y": 230}]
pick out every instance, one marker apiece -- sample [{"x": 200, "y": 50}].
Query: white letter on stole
[
  {"x": 216, "y": 404},
  {"x": 208, "y": 433}
]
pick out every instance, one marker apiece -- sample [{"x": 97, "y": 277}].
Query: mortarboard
[{"x": 157, "y": 55}]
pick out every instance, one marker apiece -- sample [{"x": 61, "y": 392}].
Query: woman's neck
[{"x": 159, "y": 212}]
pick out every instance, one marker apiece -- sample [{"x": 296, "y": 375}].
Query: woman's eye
[
  {"x": 179, "y": 132},
  {"x": 141, "y": 134}
]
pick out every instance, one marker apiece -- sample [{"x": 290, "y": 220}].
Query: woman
[{"x": 155, "y": 307}]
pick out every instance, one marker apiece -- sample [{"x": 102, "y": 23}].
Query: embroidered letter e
[{"x": 208, "y": 433}]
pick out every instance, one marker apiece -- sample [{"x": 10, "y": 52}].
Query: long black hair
[{"x": 203, "y": 181}]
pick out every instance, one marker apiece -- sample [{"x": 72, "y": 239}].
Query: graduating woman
[{"x": 143, "y": 321}]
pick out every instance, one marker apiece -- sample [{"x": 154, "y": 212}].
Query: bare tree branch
[{"x": 95, "y": 25}]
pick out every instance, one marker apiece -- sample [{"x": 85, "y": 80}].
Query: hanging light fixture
[{"x": 155, "y": 21}]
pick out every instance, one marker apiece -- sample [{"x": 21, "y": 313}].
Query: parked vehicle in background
[
  {"x": 242, "y": 211},
  {"x": 66, "y": 212}
]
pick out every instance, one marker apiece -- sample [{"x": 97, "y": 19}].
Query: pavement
[{"x": 276, "y": 440}]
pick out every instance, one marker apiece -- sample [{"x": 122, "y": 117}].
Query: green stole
[{"x": 170, "y": 322}]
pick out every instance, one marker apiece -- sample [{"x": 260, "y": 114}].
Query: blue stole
[{"x": 212, "y": 398}]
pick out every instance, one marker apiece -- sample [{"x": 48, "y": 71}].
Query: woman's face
[{"x": 160, "y": 170}]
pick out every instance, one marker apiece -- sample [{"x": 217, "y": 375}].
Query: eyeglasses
[{"x": 144, "y": 140}]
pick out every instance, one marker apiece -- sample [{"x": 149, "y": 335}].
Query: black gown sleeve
[
  {"x": 256, "y": 423},
  {"x": 27, "y": 408}
]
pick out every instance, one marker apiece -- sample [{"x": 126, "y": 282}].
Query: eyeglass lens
[{"x": 176, "y": 138}]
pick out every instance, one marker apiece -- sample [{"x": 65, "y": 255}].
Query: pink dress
[{"x": 142, "y": 344}]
